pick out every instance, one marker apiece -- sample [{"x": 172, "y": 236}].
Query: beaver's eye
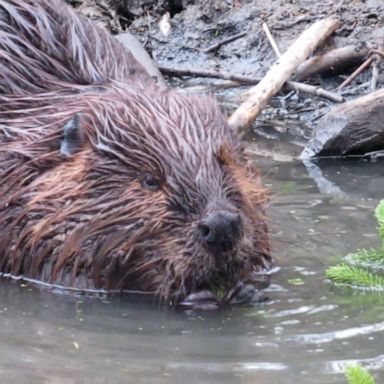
[{"x": 150, "y": 182}]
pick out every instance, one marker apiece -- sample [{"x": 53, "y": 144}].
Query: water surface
[{"x": 306, "y": 333}]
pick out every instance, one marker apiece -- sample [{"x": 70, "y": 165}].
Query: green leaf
[
  {"x": 296, "y": 281},
  {"x": 355, "y": 276},
  {"x": 379, "y": 213},
  {"x": 356, "y": 374}
]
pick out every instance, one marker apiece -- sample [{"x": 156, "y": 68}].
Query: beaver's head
[{"x": 147, "y": 192}]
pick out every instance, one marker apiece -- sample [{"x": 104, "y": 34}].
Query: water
[{"x": 306, "y": 333}]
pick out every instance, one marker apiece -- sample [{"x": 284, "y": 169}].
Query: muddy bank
[{"x": 187, "y": 34}]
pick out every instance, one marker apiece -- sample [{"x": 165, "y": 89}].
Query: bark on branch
[{"x": 281, "y": 71}]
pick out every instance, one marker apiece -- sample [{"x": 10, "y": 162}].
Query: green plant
[
  {"x": 361, "y": 269},
  {"x": 356, "y": 374}
]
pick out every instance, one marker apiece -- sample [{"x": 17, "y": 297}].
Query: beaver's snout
[{"x": 221, "y": 230}]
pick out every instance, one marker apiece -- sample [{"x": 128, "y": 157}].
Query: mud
[{"x": 192, "y": 26}]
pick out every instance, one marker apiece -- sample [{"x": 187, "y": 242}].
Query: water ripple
[
  {"x": 327, "y": 337},
  {"x": 338, "y": 366}
]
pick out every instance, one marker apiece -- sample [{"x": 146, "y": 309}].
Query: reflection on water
[{"x": 306, "y": 333}]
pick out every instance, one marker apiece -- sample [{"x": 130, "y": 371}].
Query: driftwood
[
  {"x": 353, "y": 128},
  {"x": 300, "y": 87},
  {"x": 281, "y": 71},
  {"x": 332, "y": 62}
]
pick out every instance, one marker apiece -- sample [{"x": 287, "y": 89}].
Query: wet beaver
[{"x": 109, "y": 181}]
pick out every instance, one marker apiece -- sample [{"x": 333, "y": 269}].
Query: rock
[{"x": 354, "y": 128}]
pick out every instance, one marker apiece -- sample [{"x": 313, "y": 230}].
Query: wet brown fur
[{"x": 86, "y": 220}]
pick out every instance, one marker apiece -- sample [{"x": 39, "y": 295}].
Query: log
[
  {"x": 354, "y": 128},
  {"x": 281, "y": 71},
  {"x": 332, "y": 62}
]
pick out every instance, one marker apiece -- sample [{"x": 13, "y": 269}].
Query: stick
[
  {"x": 208, "y": 73},
  {"x": 248, "y": 80},
  {"x": 313, "y": 90},
  {"x": 296, "y": 86},
  {"x": 356, "y": 73},
  {"x": 281, "y": 71},
  {"x": 271, "y": 40},
  {"x": 375, "y": 74},
  {"x": 216, "y": 46},
  {"x": 333, "y": 61}
]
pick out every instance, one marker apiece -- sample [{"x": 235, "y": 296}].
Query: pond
[{"x": 305, "y": 333}]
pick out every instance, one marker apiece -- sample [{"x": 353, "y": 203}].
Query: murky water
[{"x": 306, "y": 333}]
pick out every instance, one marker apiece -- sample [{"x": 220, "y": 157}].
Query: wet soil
[{"x": 177, "y": 33}]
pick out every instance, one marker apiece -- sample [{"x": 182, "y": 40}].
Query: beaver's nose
[{"x": 221, "y": 230}]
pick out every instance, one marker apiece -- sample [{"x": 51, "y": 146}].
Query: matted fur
[{"x": 88, "y": 220}]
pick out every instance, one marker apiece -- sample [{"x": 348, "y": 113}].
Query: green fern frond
[
  {"x": 356, "y": 374},
  {"x": 379, "y": 213},
  {"x": 356, "y": 276},
  {"x": 369, "y": 258}
]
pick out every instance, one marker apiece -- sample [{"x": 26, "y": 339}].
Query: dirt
[{"x": 176, "y": 32}]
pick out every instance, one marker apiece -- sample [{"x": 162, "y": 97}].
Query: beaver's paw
[
  {"x": 201, "y": 301},
  {"x": 243, "y": 294},
  {"x": 240, "y": 293}
]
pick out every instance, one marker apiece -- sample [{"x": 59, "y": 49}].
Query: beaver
[{"x": 110, "y": 181}]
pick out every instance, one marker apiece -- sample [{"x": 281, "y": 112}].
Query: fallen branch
[
  {"x": 300, "y": 87},
  {"x": 292, "y": 85},
  {"x": 332, "y": 62},
  {"x": 281, "y": 71},
  {"x": 356, "y": 73},
  {"x": 208, "y": 73},
  {"x": 216, "y": 46},
  {"x": 271, "y": 40},
  {"x": 313, "y": 90}
]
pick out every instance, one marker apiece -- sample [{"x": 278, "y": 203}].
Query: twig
[
  {"x": 378, "y": 51},
  {"x": 212, "y": 87},
  {"x": 281, "y": 71},
  {"x": 356, "y": 73},
  {"x": 208, "y": 73},
  {"x": 375, "y": 73},
  {"x": 313, "y": 90},
  {"x": 300, "y": 87},
  {"x": 215, "y": 47},
  {"x": 248, "y": 80},
  {"x": 271, "y": 40}
]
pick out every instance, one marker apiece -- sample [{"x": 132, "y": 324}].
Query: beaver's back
[{"x": 46, "y": 46}]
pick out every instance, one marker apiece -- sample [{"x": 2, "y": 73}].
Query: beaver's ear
[{"x": 73, "y": 137}]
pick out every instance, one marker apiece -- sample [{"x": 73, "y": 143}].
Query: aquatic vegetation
[
  {"x": 361, "y": 269},
  {"x": 356, "y": 374},
  {"x": 347, "y": 274}
]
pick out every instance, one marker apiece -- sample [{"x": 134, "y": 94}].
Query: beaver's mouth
[{"x": 226, "y": 273}]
